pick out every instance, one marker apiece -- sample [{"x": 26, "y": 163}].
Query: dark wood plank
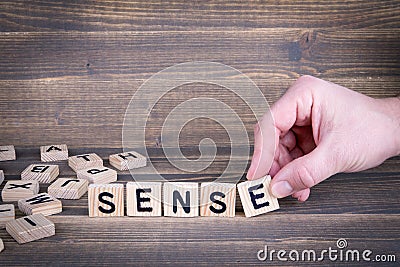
[
  {"x": 182, "y": 15},
  {"x": 200, "y": 241},
  {"x": 279, "y": 52},
  {"x": 81, "y": 83},
  {"x": 370, "y": 192}
]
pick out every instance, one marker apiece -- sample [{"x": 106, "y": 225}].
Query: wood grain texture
[
  {"x": 42, "y": 173},
  {"x": 84, "y": 161},
  {"x": 98, "y": 175},
  {"x": 221, "y": 204},
  {"x": 87, "y": 74},
  {"x": 361, "y": 207},
  {"x": 42, "y": 203},
  {"x": 181, "y": 199},
  {"x": 30, "y": 228},
  {"x": 183, "y": 16},
  {"x": 7, "y": 153},
  {"x": 127, "y": 160},
  {"x": 68, "y": 70},
  {"x": 54, "y": 153},
  {"x": 68, "y": 188},
  {"x": 7, "y": 213},
  {"x": 146, "y": 196},
  {"x": 106, "y": 200},
  {"x": 256, "y": 197},
  {"x": 15, "y": 190}
]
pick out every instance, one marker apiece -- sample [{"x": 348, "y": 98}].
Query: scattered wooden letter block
[
  {"x": 40, "y": 173},
  {"x": 30, "y": 228},
  {"x": 1, "y": 176},
  {"x": 186, "y": 194},
  {"x": 7, "y": 213},
  {"x": 53, "y": 153},
  {"x": 143, "y": 198},
  {"x": 106, "y": 200},
  {"x": 256, "y": 197},
  {"x": 85, "y": 161},
  {"x": 7, "y": 153},
  {"x": 15, "y": 190},
  {"x": 1, "y": 245},
  {"x": 98, "y": 175},
  {"x": 128, "y": 160},
  {"x": 42, "y": 203},
  {"x": 217, "y": 199},
  {"x": 68, "y": 188}
]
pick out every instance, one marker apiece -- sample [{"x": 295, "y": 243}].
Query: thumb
[{"x": 304, "y": 172}]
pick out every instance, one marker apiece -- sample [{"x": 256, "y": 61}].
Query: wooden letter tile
[
  {"x": 15, "y": 190},
  {"x": 217, "y": 199},
  {"x": 68, "y": 188},
  {"x": 7, "y": 213},
  {"x": 127, "y": 160},
  {"x": 106, "y": 200},
  {"x": 41, "y": 173},
  {"x": 256, "y": 197},
  {"x": 143, "y": 198},
  {"x": 53, "y": 153},
  {"x": 85, "y": 161},
  {"x": 181, "y": 199},
  {"x": 98, "y": 175},
  {"x": 7, "y": 153},
  {"x": 30, "y": 228},
  {"x": 42, "y": 203},
  {"x": 1, "y": 176}
]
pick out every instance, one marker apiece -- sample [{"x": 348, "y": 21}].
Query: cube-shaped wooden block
[
  {"x": 1, "y": 176},
  {"x": 68, "y": 188},
  {"x": 7, "y": 213},
  {"x": 181, "y": 199},
  {"x": 53, "y": 153},
  {"x": 106, "y": 200},
  {"x": 98, "y": 175},
  {"x": 143, "y": 198},
  {"x": 41, "y": 173},
  {"x": 41, "y": 203},
  {"x": 85, "y": 161},
  {"x": 217, "y": 199},
  {"x": 127, "y": 160},
  {"x": 1, "y": 245},
  {"x": 15, "y": 190},
  {"x": 7, "y": 153},
  {"x": 30, "y": 228},
  {"x": 256, "y": 197}
]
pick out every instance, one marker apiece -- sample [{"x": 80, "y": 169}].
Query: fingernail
[{"x": 282, "y": 189}]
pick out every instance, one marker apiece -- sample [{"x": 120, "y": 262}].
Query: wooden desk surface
[{"x": 68, "y": 71}]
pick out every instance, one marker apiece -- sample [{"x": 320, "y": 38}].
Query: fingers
[
  {"x": 303, "y": 173},
  {"x": 293, "y": 107},
  {"x": 265, "y": 142},
  {"x": 302, "y": 195}
]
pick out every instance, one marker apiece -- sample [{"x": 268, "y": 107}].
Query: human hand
[{"x": 321, "y": 129}]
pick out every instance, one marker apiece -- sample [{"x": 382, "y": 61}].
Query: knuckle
[{"x": 305, "y": 177}]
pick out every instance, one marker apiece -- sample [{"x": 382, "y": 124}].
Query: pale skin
[{"x": 321, "y": 129}]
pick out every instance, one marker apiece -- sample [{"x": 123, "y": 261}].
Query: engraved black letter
[
  {"x": 254, "y": 197},
  {"x": 219, "y": 202},
  {"x": 102, "y": 200},
  {"x": 185, "y": 205},
  {"x": 143, "y": 199}
]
